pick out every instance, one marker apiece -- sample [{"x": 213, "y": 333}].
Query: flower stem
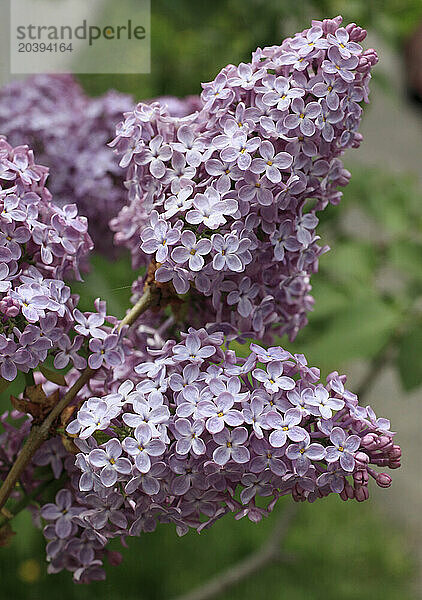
[
  {"x": 40, "y": 433},
  {"x": 26, "y": 501}
]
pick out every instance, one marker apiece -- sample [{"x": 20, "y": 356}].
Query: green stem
[{"x": 26, "y": 501}]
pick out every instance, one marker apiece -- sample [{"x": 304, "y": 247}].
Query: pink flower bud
[
  {"x": 395, "y": 452},
  {"x": 370, "y": 441},
  {"x": 361, "y": 493},
  {"x": 360, "y": 477},
  {"x": 361, "y": 459},
  {"x": 383, "y": 480},
  {"x": 356, "y": 33}
]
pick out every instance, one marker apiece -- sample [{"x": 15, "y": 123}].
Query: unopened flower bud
[
  {"x": 361, "y": 493},
  {"x": 383, "y": 480}
]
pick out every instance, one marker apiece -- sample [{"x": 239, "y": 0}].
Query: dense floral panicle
[
  {"x": 198, "y": 432},
  {"x": 225, "y": 200},
  {"x": 42, "y": 244}
]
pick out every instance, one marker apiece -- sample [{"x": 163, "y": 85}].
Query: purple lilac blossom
[
  {"x": 179, "y": 467},
  {"x": 256, "y": 161}
]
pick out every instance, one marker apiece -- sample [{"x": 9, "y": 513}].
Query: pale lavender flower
[
  {"x": 231, "y": 446},
  {"x": 273, "y": 378},
  {"x": 343, "y": 449},
  {"x": 187, "y": 435},
  {"x": 219, "y": 413},
  {"x": 210, "y": 209},
  {"x": 155, "y": 156},
  {"x": 142, "y": 446},
  {"x": 271, "y": 164},
  {"x": 110, "y": 461},
  {"x": 285, "y": 427},
  {"x": 189, "y": 145},
  {"x": 191, "y": 250},
  {"x": 303, "y": 117},
  {"x": 228, "y": 249},
  {"x": 314, "y": 40},
  {"x": 62, "y": 513},
  {"x": 240, "y": 150},
  {"x": 303, "y": 452},
  {"x": 158, "y": 239},
  {"x": 192, "y": 350},
  {"x": 341, "y": 40},
  {"x": 330, "y": 89},
  {"x": 320, "y": 398},
  {"x": 281, "y": 94},
  {"x": 340, "y": 65}
]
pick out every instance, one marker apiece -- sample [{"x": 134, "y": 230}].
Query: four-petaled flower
[
  {"x": 231, "y": 446},
  {"x": 273, "y": 378},
  {"x": 343, "y": 449},
  {"x": 285, "y": 427}
]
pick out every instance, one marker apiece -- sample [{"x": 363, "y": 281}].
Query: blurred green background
[{"x": 366, "y": 313}]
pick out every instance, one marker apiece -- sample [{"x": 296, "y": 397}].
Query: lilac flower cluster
[
  {"x": 40, "y": 245},
  {"x": 225, "y": 200},
  {"x": 204, "y": 433},
  {"x": 69, "y": 132}
]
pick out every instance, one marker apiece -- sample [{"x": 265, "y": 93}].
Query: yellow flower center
[
  {"x": 285, "y": 429},
  {"x": 220, "y": 414},
  {"x": 341, "y": 449},
  {"x": 193, "y": 252},
  {"x": 269, "y": 163}
]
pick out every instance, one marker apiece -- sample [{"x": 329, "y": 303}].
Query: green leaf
[
  {"x": 329, "y": 299},
  {"x": 407, "y": 257},
  {"x": 358, "y": 331},
  {"x": 4, "y": 384},
  {"x": 409, "y": 358},
  {"x": 53, "y": 376},
  {"x": 350, "y": 263}
]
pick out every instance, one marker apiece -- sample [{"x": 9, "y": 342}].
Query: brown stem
[
  {"x": 268, "y": 553},
  {"x": 39, "y": 433}
]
